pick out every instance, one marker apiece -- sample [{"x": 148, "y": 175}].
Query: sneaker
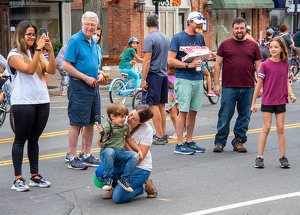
[
  {"x": 125, "y": 185},
  {"x": 68, "y": 156},
  {"x": 259, "y": 163},
  {"x": 211, "y": 93},
  {"x": 239, "y": 146},
  {"x": 20, "y": 185},
  {"x": 77, "y": 164},
  {"x": 166, "y": 138},
  {"x": 183, "y": 149},
  {"x": 284, "y": 163},
  {"x": 91, "y": 161},
  {"x": 192, "y": 145},
  {"x": 158, "y": 141},
  {"x": 174, "y": 136},
  {"x": 39, "y": 181},
  {"x": 109, "y": 194},
  {"x": 107, "y": 184},
  {"x": 150, "y": 189},
  {"x": 218, "y": 148},
  {"x": 80, "y": 156}
]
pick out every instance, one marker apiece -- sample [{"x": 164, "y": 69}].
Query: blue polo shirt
[{"x": 82, "y": 55}]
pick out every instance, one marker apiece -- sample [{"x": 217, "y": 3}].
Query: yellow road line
[{"x": 94, "y": 150}]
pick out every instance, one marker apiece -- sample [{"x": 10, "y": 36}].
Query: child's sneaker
[
  {"x": 211, "y": 93},
  {"x": 20, "y": 185},
  {"x": 284, "y": 163},
  {"x": 259, "y": 163},
  {"x": 107, "y": 184},
  {"x": 192, "y": 145},
  {"x": 125, "y": 185},
  {"x": 39, "y": 181},
  {"x": 183, "y": 149}
]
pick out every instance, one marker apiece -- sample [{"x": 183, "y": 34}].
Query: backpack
[{"x": 264, "y": 49}]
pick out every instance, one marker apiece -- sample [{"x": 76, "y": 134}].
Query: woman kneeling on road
[
  {"x": 29, "y": 98},
  {"x": 142, "y": 133}
]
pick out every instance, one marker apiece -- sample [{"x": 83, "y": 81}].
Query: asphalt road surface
[{"x": 203, "y": 183}]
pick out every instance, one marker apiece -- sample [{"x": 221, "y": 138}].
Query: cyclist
[{"x": 130, "y": 52}]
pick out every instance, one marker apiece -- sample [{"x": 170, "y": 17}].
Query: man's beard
[{"x": 239, "y": 36}]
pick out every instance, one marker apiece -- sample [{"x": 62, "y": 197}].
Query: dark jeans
[
  {"x": 30, "y": 121},
  {"x": 231, "y": 97}
]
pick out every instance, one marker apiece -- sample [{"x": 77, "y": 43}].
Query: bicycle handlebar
[{"x": 6, "y": 77}]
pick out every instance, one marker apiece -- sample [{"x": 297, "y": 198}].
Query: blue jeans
[
  {"x": 231, "y": 97},
  {"x": 110, "y": 156},
  {"x": 132, "y": 75},
  {"x": 138, "y": 178}
]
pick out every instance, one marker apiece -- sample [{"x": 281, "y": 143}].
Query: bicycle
[
  {"x": 120, "y": 89},
  {"x": 210, "y": 67},
  {"x": 5, "y": 106},
  {"x": 294, "y": 64}
]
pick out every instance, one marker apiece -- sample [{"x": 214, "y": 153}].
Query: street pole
[
  {"x": 295, "y": 16},
  {"x": 156, "y": 7}
]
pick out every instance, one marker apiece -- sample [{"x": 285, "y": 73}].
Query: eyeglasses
[
  {"x": 89, "y": 25},
  {"x": 29, "y": 35}
]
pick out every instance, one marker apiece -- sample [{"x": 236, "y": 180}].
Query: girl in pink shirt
[{"x": 274, "y": 78}]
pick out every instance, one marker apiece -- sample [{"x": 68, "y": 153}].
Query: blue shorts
[
  {"x": 84, "y": 103},
  {"x": 157, "y": 89}
]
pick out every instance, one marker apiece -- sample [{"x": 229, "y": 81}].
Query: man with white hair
[
  {"x": 81, "y": 61},
  {"x": 188, "y": 83}
]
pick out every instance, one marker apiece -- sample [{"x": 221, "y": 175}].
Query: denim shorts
[
  {"x": 273, "y": 108},
  {"x": 157, "y": 89},
  {"x": 84, "y": 103},
  {"x": 189, "y": 94}
]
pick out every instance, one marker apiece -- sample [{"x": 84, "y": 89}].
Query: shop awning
[
  {"x": 239, "y": 4},
  {"x": 68, "y": 1}
]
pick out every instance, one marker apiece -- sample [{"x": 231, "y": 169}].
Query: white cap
[{"x": 196, "y": 17}]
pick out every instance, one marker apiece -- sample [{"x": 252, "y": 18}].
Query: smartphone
[{"x": 43, "y": 31}]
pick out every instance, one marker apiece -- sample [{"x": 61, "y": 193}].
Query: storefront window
[
  {"x": 278, "y": 17},
  {"x": 42, "y": 15},
  {"x": 166, "y": 23},
  {"x": 221, "y": 30}
]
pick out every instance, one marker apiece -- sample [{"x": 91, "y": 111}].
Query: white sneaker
[{"x": 174, "y": 136}]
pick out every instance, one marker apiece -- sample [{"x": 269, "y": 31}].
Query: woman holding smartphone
[{"x": 30, "y": 99}]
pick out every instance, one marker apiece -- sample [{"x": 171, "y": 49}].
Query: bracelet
[
  {"x": 291, "y": 95},
  {"x": 38, "y": 50}
]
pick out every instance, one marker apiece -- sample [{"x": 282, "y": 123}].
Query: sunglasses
[{"x": 29, "y": 35}]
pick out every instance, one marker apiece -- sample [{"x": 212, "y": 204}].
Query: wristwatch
[{"x": 186, "y": 65}]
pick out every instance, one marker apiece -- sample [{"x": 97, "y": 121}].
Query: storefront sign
[
  {"x": 168, "y": 2},
  {"x": 291, "y": 8}
]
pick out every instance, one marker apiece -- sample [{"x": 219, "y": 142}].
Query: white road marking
[{"x": 243, "y": 204}]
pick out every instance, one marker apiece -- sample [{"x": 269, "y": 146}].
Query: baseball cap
[
  {"x": 270, "y": 30},
  {"x": 197, "y": 17}
]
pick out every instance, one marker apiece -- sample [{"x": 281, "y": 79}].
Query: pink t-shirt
[{"x": 274, "y": 75}]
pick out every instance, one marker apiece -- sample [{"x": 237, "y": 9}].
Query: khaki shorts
[{"x": 189, "y": 94}]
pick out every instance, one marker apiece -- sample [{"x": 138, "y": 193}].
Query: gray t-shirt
[
  {"x": 59, "y": 58},
  {"x": 2, "y": 61},
  {"x": 158, "y": 44}
]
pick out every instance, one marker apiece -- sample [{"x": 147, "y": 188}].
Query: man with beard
[
  {"x": 237, "y": 56},
  {"x": 188, "y": 83}
]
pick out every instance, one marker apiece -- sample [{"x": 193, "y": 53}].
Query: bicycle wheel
[
  {"x": 205, "y": 83},
  {"x": 2, "y": 114},
  {"x": 213, "y": 99},
  {"x": 11, "y": 120},
  {"x": 117, "y": 91},
  {"x": 137, "y": 99}
]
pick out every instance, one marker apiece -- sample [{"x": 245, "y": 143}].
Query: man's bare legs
[
  {"x": 73, "y": 139},
  {"x": 190, "y": 125},
  {"x": 87, "y": 139},
  {"x": 180, "y": 126},
  {"x": 159, "y": 119}
]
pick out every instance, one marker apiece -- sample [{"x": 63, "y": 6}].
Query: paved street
[{"x": 226, "y": 183}]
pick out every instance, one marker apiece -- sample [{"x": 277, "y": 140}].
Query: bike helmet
[{"x": 133, "y": 39}]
